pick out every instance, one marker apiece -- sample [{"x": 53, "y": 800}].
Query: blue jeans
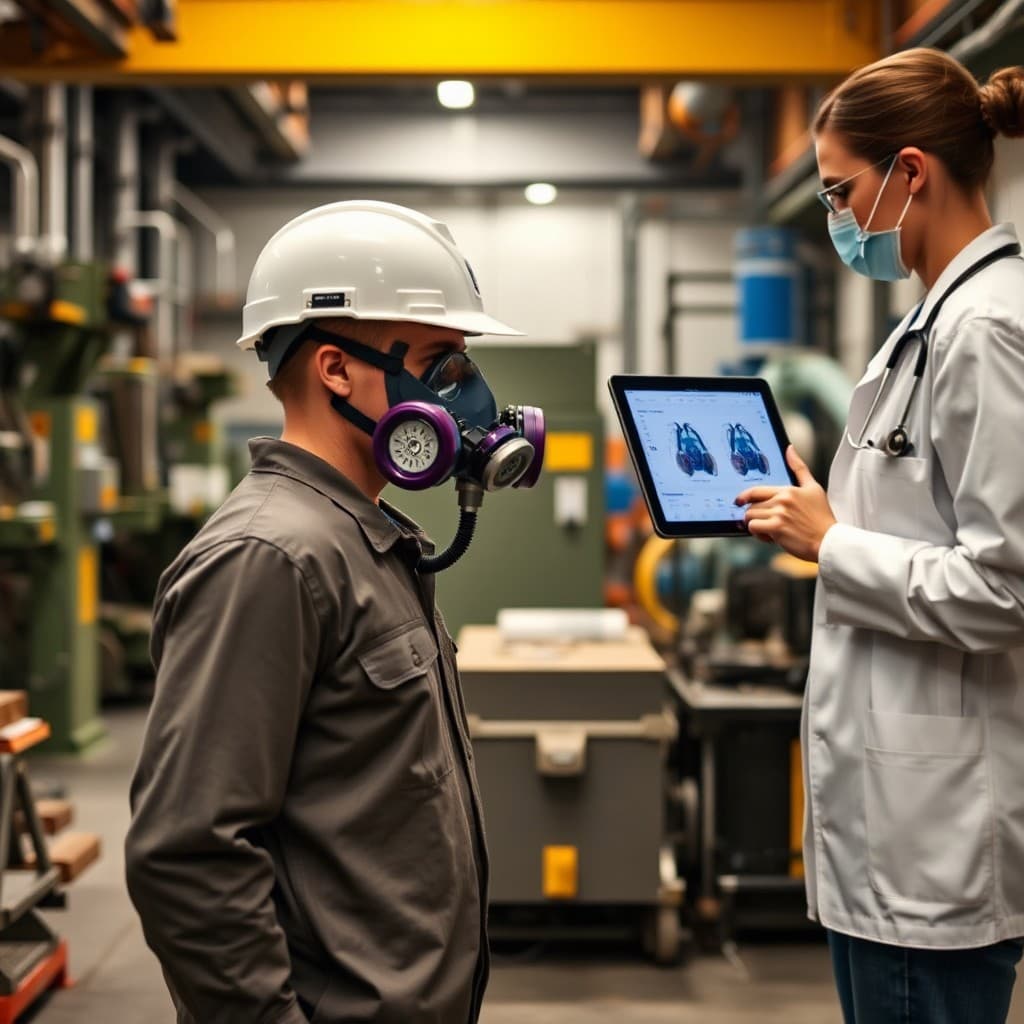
[{"x": 880, "y": 984}]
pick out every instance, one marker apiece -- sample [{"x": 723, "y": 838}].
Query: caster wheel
[{"x": 663, "y": 935}]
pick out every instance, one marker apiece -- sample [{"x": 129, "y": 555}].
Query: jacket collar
[
  {"x": 988, "y": 241},
  {"x": 382, "y": 525}
]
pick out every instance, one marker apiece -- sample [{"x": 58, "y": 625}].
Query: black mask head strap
[{"x": 390, "y": 362}]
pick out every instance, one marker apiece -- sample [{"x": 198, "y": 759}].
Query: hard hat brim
[{"x": 468, "y": 322}]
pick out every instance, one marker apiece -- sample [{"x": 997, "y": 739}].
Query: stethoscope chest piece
[{"x": 897, "y": 442}]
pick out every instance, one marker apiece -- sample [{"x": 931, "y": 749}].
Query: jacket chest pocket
[
  {"x": 894, "y": 496},
  {"x": 403, "y": 707}
]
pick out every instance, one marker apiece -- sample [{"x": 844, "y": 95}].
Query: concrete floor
[{"x": 117, "y": 980}]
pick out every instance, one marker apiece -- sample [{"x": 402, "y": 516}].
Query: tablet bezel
[{"x": 620, "y": 382}]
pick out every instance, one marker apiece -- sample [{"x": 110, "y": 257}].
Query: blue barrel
[{"x": 770, "y": 282}]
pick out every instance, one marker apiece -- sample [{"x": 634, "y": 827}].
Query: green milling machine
[{"x": 58, "y": 483}]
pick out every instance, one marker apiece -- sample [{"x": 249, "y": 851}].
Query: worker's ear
[
  {"x": 912, "y": 167},
  {"x": 333, "y": 368}
]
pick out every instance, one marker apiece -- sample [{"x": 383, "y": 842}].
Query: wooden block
[
  {"x": 54, "y": 816},
  {"x": 23, "y": 734},
  {"x": 13, "y": 705},
  {"x": 73, "y": 852}
]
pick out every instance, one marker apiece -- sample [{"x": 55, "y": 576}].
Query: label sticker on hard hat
[{"x": 329, "y": 300}]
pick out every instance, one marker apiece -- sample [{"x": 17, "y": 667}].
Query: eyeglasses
[
  {"x": 825, "y": 195},
  {"x": 449, "y": 373}
]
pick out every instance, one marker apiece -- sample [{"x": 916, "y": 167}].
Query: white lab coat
[{"x": 913, "y": 726}]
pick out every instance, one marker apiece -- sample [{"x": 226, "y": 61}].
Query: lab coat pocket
[
  {"x": 927, "y": 808},
  {"x": 915, "y": 678},
  {"x": 894, "y": 496}
]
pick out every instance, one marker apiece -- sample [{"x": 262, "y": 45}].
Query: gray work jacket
[{"x": 307, "y": 840}]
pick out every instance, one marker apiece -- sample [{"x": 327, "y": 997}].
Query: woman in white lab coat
[{"x": 913, "y": 729}]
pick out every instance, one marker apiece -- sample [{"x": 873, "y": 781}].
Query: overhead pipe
[
  {"x": 158, "y": 171},
  {"x": 127, "y": 197},
  {"x": 54, "y": 170},
  {"x": 930, "y": 28},
  {"x": 631, "y": 218},
  {"x": 1004, "y": 19},
  {"x": 83, "y": 152},
  {"x": 225, "y": 280},
  {"x": 25, "y": 182},
  {"x": 163, "y": 287},
  {"x": 185, "y": 290}
]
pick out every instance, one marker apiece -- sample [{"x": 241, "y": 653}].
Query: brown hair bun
[{"x": 1002, "y": 102}]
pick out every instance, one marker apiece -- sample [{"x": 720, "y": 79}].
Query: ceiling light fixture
[
  {"x": 456, "y": 95},
  {"x": 540, "y": 193}
]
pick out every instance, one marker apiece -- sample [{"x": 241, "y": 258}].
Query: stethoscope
[{"x": 897, "y": 442}]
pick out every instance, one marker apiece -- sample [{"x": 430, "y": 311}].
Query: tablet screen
[{"x": 703, "y": 447}]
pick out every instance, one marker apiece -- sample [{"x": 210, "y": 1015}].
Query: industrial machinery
[
  {"x": 60, "y": 316},
  {"x": 570, "y": 740},
  {"x": 197, "y": 475},
  {"x": 174, "y": 472},
  {"x": 737, "y": 614}
]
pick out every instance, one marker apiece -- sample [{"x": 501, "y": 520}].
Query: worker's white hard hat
[{"x": 368, "y": 261}]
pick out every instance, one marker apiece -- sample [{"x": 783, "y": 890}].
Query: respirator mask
[{"x": 445, "y": 425}]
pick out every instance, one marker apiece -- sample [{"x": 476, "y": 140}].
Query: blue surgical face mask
[{"x": 874, "y": 254}]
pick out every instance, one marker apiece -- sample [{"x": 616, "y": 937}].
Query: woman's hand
[{"x": 795, "y": 518}]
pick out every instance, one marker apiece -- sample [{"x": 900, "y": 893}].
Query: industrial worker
[
  {"x": 306, "y": 841},
  {"x": 913, "y": 726}
]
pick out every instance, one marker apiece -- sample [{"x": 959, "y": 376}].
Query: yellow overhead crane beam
[{"x": 225, "y": 41}]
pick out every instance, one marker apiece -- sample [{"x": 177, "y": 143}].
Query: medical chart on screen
[{"x": 703, "y": 448}]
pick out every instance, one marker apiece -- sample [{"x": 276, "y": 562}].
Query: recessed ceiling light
[
  {"x": 456, "y": 95},
  {"x": 540, "y": 193}
]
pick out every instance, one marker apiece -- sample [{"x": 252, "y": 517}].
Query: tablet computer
[{"x": 696, "y": 443}]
